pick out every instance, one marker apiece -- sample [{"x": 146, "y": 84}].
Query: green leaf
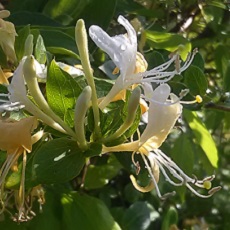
[
  {"x": 13, "y": 178},
  {"x": 62, "y": 51},
  {"x": 222, "y": 61},
  {"x": 217, "y": 3},
  {"x": 62, "y": 91},
  {"x": 94, "y": 149},
  {"x": 86, "y": 212},
  {"x": 169, "y": 41},
  {"x": 137, "y": 217},
  {"x": 65, "y": 11},
  {"x": 196, "y": 81},
  {"x": 95, "y": 13},
  {"x": 27, "y": 5},
  {"x": 40, "y": 50},
  {"x": 50, "y": 217},
  {"x": 182, "y": 153},
  {"x": 170, "y": 218},
  {"x": 56, "y": 38},
  {"x": 99, "y": 175},
  {"x": 57, "y": 161},
  {"x": 202, "y": 136},
  {"x": 20, "y": 41},
  {"x": 23, "y": 18}
]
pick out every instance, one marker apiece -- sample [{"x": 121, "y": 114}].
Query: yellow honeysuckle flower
[
  {"x": 7, "y": 36},
  {"x": 16, "y": 140}
]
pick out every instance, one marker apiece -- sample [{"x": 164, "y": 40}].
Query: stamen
[{"x": 197, "y": 100}]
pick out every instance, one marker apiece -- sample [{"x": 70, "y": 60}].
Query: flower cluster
[{"x": 148, "y": 90}]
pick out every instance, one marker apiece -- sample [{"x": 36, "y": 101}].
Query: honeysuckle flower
[
  {"x": 16, "y": 140},
  {"x": 17, "y": 97},
  {"x": 122, "y": 49},
  {"x": 162, "y": 115},
  {"x": 7, "y": 36}
]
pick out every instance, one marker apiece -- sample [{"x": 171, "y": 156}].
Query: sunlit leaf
[
  {"x": 62, "y": 51},
  {"x": 65, "y": 11},
  {"x": 40, "y": 50},
  {"x": 169, "y": 41},
  {"x": 202, "y": 136},
  {"x": 62, "y": 91}
]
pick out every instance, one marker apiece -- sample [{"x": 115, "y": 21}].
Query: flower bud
[
  {"x": 28, "y": 49},
  {"x": 82, "y": 105}
]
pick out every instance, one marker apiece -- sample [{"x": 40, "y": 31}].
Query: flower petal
[
  {"x": 121, "y": 48},
  {"x": 162, "y": 116},
  {"x": 17, "y": 134}
]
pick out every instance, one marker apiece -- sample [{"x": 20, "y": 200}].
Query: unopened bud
[
  {"x": 82, "y": 105},
  {"x": 28, "y": 49}
]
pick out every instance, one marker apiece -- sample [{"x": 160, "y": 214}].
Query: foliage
[{"x": 93, "y": 190}]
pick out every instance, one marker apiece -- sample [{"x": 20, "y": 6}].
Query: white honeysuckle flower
[
  {"x": 122, "y": 49},
  {"x": 17, "y": 97},
  {"x": 164, "y": 110},
  {"x": 162, "y": 114}
]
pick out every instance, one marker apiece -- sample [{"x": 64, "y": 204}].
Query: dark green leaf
[
  {"x": 57, "y": 161},
  {"x": 87, "y": 212},
  {"x": 170, "y": 218},
  {"x": 24, "y": 18},
  {"x": 51, "y": 211},
  {"x": 57, "y": 38},
  {"x": 137, "y": 217},
  {"x": 222, "y": 61},
  {"x": 182, "y": 153},
  {"x": 20, "y": 41},
  {"x": 95, "y": 149},
  {"x": 196, "y": 81},
  {"x": 99, "y": 175},
  {"x": 28, "y": 5},
  {"x": 95, "y": 13}
]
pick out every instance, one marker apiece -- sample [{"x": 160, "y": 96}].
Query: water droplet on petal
[{"x": 123, "y": 47}]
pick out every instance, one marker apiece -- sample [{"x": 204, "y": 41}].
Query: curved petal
[
  {"x": 162, "y": 116},
  {"x": 122, "y": 49}
]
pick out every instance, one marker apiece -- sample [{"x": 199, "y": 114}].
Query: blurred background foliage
[{"x": 108, "y": 198}]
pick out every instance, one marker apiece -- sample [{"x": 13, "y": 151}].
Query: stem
[
  {"x": 212, "y": 105},
  {"x": 82, "y": 44}
]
